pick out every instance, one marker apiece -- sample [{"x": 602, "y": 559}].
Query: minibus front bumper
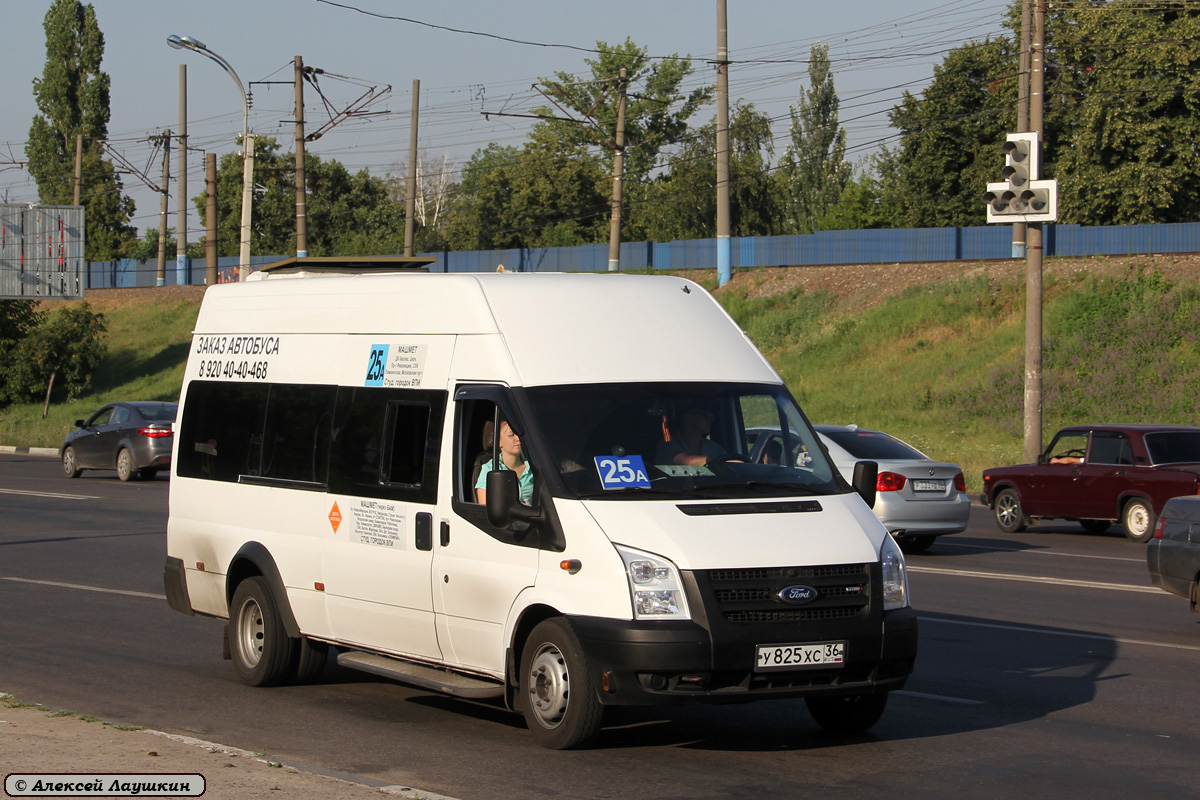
[{"x": 668, "y": 663}]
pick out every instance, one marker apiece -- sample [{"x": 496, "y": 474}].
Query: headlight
[
  {"x": 654, "y": 586},
  {"x": 895, "y": 575}
]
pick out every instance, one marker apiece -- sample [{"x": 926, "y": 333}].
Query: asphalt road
[{"x": 1048, "y": 667}]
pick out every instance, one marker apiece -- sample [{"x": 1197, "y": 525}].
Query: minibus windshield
[{"x": 648, "y": 440}]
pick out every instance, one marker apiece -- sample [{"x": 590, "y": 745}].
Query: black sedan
[
  {"x": 133, "y": 438},
  {"x": 1173, "y": 553}
]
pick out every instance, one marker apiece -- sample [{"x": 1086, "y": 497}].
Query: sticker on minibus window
[
  {"x": 376, "y": 365},
  {"x": 396, "y": 366},
  {"x": 620, "y": 472}
]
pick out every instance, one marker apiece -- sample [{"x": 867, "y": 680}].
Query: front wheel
[
  {"x": 854, "y": 714},
  {"x": 125, "y": 470},
  {"x": 261, "y": 650},
  {"x": 69, "y": 464},
  {"x": 1010, "y": 517},
  {"x": 555, "y": 690},
  {"x": 1139, "y": 520}
]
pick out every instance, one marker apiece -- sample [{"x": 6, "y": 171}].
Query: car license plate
[
  {"x": 929, "y": 486},
  {"x": 800, "y": 656}
]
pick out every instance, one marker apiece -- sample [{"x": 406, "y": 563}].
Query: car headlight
[
  {"x": 895, "y": 575},
  {"x": 654, "y": 586}
]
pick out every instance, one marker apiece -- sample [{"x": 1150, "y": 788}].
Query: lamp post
[{"x": 195, "y": 45}]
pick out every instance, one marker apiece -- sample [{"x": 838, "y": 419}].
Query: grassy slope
[{"x": 939, "y": 364}]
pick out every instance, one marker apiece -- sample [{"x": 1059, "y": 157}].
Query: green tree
[
  {"x": 72, "y": 96},
  {"x": 814, "y": 171},
  {"x": 59, "y": 354},
  {"x": 657, "y": 112},
  {"x": 682, "y": 204},
  {"x": 346, "y": 214}
]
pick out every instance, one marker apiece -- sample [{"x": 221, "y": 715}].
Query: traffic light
[{"x": 1021, "y": 196}]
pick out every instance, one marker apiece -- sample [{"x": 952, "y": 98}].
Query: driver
[{"x": 689, "y": 442}]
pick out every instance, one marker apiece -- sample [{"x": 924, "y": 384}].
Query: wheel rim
[
  {"x": 69, "y": 461},
  {"x": 1137, "y": 519},
  {"x": 549, "y": 685},
  {"x": 124, "y": 464},
  {"x": 250, "y": 632},
  {"x": 1006, "y": 510}
]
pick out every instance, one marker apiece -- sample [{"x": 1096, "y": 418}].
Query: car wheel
[
  {"x": 853, "y": 714},
  {"x": 1095, "y": 525},
  {"x": 69, "y": 464},
  {"x": 262, "y": 651},
  {"x": 555, "y": 690},
  {"x": 1010, "y": 518},
  {"x": 917, "y": 544},
  {"x": 309, "y": 661},
  {"x": 125, "y": 470},
  {"x": 1138, "y": 518}
]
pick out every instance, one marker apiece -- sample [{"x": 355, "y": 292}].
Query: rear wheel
[
  {"x": 262, "y": 652},
  {"x": 69, "y": 464},
  {"x": 853, "y": 714},
  {"x": 555, "y": 690},
  {"x": 125, "y": 470},
  {"x": 917, "y": 544},
  {"x": 1095, "y": 525},
  {"x": 309, "y": 660},
  {"x": 1010, "y": 517},
  {"x": 1139, "y": 519}
]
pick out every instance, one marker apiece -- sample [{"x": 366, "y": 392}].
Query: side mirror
[
  {"x": 503, "y": 501},
  {"x": 866, "y": 475},
  {"x": 78, "y": 423}
]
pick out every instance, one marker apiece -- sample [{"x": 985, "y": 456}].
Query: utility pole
[
  {"x": 410, "y": 202},
  {"x": 1033, "y": 253},
  {"x": 724, "y": 245},
  {"x": 1018, "y": 230},
  {"x": 614, "y": 230},
  {"x": 301, "y": 199},
  {"x": 210, "y": 216},
  {"x": 181, "y": 276},
  {"x": 161, "y": 279},
  {"x": 78, "y": 166}
]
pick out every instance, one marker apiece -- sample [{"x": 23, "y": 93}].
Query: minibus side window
[
  {"x": 220, "y": 433},
  {"x": 297, "y": 432}
]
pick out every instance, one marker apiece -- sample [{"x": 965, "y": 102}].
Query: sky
[{"x": 476, "y": 61}]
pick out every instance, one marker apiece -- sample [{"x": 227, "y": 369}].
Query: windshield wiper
[
  {"x": 642, "y": 490},
  {"x": 784, "y": 488}
]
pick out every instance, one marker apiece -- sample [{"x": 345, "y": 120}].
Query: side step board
[{"x": 425, "y": 677}]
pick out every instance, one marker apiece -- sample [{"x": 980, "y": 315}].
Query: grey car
[
  {"x": 917, "y": 499},
  {"x": 1173, "y": 552},
  {"x": 133, "y": 438}
]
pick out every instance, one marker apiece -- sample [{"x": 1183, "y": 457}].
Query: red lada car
[{"x": 1098, "y": 475}]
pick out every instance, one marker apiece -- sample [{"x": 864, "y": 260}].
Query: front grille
[{"x": 751, "y": 596}]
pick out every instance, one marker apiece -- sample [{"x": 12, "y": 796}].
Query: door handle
[
  {"x": 445, "y": 533},
  {"x": 424, "y": 531}
]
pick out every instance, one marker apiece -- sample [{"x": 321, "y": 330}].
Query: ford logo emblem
[{"x": 797, "y": 595}]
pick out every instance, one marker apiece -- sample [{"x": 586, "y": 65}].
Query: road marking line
[
  {"x": 1033, "y": 551},
  {"x": 1068, "y": 634},
  {"x": 56, "y": 495},
  {"x": 1000, "y": 576},
  {"x": 941, "y": 697},
  {"x": 88, "y": 588}
]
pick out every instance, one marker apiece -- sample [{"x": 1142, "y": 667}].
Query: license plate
[
  {"x": 800, "y": 656},
  {"x": 929, "y": 486}
]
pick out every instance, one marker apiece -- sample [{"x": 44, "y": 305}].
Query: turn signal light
[
  {"x": 889, "y": 482},
  {"x": 1158, "y": 528},
  {"x": 155, "y": 433}
]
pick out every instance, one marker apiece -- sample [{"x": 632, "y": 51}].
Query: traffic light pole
[{"x": 1033, "y": 253}]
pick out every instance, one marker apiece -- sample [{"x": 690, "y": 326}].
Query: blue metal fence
[{"x": 990, "y": 242}]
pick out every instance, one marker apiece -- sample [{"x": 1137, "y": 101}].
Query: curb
[{"x": 29, "y": 451}]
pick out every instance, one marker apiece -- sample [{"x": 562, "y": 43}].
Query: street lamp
[{"x": 195, "y": 45}]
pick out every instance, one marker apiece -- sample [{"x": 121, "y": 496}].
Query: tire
[
  {"x": 1095, "y": 525},
  {"x": 148, "y": 473},
  {"x": 1139, "y": 518},
  {"x": 69, "y": 464},
  {"x": 555, "y": 691},
  {"x": 309, "y": 662},
  {"x": 1010, "y": 517},
  {"x": 853, "y": 714},
  {"x": 917, "y": 544},
  {"x": 125, "y": 470},
  {"x": 262, "y": 652}
]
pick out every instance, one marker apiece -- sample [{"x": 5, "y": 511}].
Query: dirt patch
[{"x": 116, "y": 299}]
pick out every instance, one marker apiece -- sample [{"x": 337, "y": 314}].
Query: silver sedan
[{"x": 918, "y": 499}]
